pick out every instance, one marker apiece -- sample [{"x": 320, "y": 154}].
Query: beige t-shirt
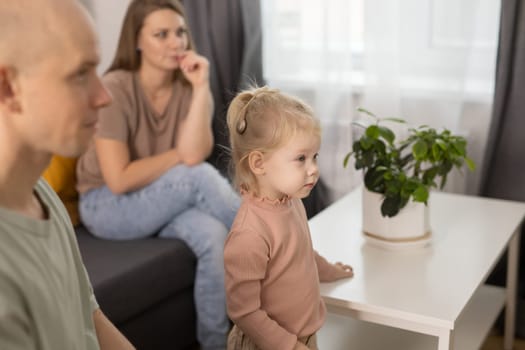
[
  {"x": 131, "y": 119},
  {"x": 271, "y": 273},
  {"x": 46, "y": 300}
]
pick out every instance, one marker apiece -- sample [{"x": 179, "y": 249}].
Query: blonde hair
[{"x": 264, "y": 119}]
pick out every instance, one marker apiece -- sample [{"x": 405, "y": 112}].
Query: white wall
[{"x": 108, "y": 15}]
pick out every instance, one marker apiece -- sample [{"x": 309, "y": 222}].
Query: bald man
[{"x": 49, "y": 97}]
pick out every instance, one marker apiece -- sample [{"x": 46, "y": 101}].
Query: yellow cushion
[{"x": 61, "y": 176}]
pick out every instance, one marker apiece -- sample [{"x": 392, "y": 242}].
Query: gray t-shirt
[
  {"x": 46, "y": 299},
  {"x": 131, "y": 119}
]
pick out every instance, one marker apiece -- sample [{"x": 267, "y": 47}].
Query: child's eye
[
  {"x": 301, "y": 158},
  {"x": 316, "y": 156}
]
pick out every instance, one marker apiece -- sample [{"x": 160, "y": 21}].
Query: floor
[{"x": 495, "y": 342}]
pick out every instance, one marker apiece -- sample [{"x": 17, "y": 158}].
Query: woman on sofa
[{"x": 145, "y": 173}]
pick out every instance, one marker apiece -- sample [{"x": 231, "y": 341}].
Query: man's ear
[
  {"x": 256, "y": 162},
  {"x": 8, "y": 96}
]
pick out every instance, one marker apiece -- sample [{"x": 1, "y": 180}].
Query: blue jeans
[{"x": 194, "y": 204}]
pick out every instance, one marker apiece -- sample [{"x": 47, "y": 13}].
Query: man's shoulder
[
  {"x": 49, "y": 196},
  {"x": 55, "y": 206}
]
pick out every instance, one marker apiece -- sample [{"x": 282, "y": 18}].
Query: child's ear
[
  {"x": 8, "y": 98},
  {"x": 256, "y": 162}
]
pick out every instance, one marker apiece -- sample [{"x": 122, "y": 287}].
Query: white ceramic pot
[{"x": 410, "y": 224}]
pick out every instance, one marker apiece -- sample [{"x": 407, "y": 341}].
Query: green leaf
[
  {"x": 379, "y": 147},
  {"x": 366, "y": 142},
  {"x": 412, "y": 184},
  {"x": 391, "y": 206},
  {"x": 393, "y": 187},
  {"x": 443, "y": 181},
  {"x": 444, "y": 168},
  {"x": 368, "y": 158},
  {"x": 373, "y": 180},
  {"x": 361, "y": 124},
  {"x": 397, "y": 120},
  {"x": 420, "y": 149},
  {"x": 360, "y": 109},
  {"x": 470, "y": 163},
  {"x": 429, "y": 175},
  {"x": 403, "y": 202},
  {"x": 347, "y": 157},
  {"x": 356, "y": 147},
  {"x": 387, "y": 134},
  {"x": 406, "y": 159},
  {"x": 372, "y": 131},
  {"x": 420, "y": 194},
  {"x": 460, "y": 146},
  {"x": 442, "y": 144},
  {"x": 435, "y": 152},
  {"x": 406, "y": 191}
]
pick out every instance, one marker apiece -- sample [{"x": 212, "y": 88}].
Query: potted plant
[{"x": 399, "y": 174}]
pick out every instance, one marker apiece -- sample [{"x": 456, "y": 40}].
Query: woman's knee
[
  {"x": 202, "y": 232},
  {"x": 204, "y": 171},
  {"x": 213, "y": 239},
  {"x": 200, "y": 174}
]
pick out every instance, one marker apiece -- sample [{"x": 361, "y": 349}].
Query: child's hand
[
  {"x": 336, "y": 272},
  {"x": 329, "y": 272},
  {"x": 345, "y": 271}
]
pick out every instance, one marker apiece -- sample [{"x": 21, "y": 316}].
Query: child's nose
[{"x": 313, "y": 169}]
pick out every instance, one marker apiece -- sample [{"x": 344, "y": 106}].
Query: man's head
[{"x": 49, "y": 89}]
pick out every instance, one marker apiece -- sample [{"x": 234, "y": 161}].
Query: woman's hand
[{"x": 195, "y": 68}]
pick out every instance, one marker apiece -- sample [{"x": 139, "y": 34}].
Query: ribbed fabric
[{"x": 272, "y": 280}]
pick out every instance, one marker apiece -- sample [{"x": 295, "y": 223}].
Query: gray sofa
[{"x": 145, "y": 287}]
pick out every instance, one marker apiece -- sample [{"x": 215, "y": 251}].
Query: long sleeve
[{"x": 246, "y": 257}]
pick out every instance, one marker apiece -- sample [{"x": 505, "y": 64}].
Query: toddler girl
[{"x": 272, "y": 273}]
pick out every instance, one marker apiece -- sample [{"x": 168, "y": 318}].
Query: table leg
[
  {"x": 445, "y": 339},
  {"x": 512, "y": 275}
]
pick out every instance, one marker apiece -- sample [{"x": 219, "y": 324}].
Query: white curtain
[{"x": 429, "y": 61}]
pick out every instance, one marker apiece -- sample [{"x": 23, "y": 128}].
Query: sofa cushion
[
  {"x": 61, "y": 176},
  {"x": 129, "y": 277}
]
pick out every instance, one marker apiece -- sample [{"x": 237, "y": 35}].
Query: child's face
[{"x": 292, "y": 169}]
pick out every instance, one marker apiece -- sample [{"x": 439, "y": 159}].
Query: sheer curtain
[{"x": 429, "y": 61}]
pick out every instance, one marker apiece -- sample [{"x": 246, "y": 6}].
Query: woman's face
[{"x": 163, "y": 39}]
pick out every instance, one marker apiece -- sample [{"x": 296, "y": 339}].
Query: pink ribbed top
[{"x": 272, "y": 278}]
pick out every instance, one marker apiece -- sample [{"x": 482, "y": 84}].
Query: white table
[{"x": 438, "y": 290}]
